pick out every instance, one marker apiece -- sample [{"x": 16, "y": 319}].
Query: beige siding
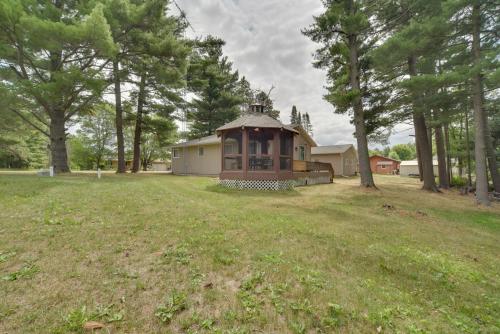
[
  {"x": 345, "y": 164},
  {"x": 406, "y": 170},
  {"x": 334, "y": 159},
  {"x": 191, "y": 162},
  {"x": 301, "y": 141},
  {"x": 350, "y": 161}
]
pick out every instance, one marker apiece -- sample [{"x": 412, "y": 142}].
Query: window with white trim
[{"x": 176, "y": 153}]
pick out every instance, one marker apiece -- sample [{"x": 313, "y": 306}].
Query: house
[
  {"x": 254, "y": 151},
  {"x": 160, "y": 166},
  {"x": 128, "y": 164},
  {"x": 410, "y": 168},
  {"x": 197, "y": 157},
  {"x": 343, "y": 158},
  {"x": 384, "y": 165},
  {"x": 202, "y": 156}
]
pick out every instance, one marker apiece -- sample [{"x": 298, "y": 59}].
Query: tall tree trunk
[
  {"x": 422, "y": 135},
  {"x": 138, "y": 125},
  {"x": 441, "y": 155},
  {"x": 120, "y": 146},
  {"x": 359, "y": 120},
  {"x": 449, "y": 166},
  {"x": 467, "y": 149},
  {"x": 58, "y": 151},
  {"x": 482, "y": 196},
  {"x": 419, "y": 161},
  {"x": 459, "y": 154},
  {"x": 491, "y": 156}
]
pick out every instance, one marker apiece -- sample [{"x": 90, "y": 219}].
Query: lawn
[{"x": 167, "y": 254}]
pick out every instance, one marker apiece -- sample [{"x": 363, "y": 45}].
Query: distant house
[
  {"x": 410, "y": 168},
  {"x": 384, "y": 165},
  {"x": 343, "y": 158},
  {"x": 160, "y": 166},
  {"x": 203, "y": 156}
]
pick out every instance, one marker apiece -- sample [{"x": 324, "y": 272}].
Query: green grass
[{"x": 166, "y": 254}]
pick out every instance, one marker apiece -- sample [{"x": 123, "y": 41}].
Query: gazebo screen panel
[{"x": 260, "y": 150}]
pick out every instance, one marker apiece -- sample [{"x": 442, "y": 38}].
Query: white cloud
[{"x": 265, "y": 43}]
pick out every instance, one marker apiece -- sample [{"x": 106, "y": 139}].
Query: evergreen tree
[
  {"x": 216, "y": 85},
  {"x": 294, "y": 116},
  {"x": 158, "y": 65},
  {"x": 49, "y": 51},
  {"x": 407, "y": 54},
  {"x": 265, "y": 99},
  {"x": 345, "y": 34}
]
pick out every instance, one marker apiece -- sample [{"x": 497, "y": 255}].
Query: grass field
[{"x": 166, "y": 254}]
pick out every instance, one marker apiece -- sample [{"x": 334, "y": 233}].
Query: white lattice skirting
[
  {"x": 273, "y": 184},
  {"x": 258, "y": 184}
]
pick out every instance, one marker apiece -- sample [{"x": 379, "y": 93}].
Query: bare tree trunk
[
  {"x": 491, "y": 156},
  {"x": 467, "y": 149},
  {"x": 119, "y": 118},
  {"x": 59, "y": 154},
  {"x": 422, "y": 136},
  {"x": 482, "y": 196},
  {"x": 449, "y": 166},
  {"x": 441, "y": 155},
  {"x": 459, "y": 155},
  {"x": 58, "y": 150},
  {"x": 359, "y": 120},
  {"x": 138, "y": 125},
  {"x": 419, "y": 161}
]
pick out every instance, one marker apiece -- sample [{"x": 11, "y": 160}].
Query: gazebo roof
[{"x": 255, "y": 120}]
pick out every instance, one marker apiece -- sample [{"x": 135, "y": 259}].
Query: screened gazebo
[{"x": 257, "y": 152}]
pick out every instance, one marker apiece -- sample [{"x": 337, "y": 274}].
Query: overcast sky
[{"x": 264, "y": 41}]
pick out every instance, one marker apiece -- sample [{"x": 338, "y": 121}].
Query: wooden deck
[{"x": 311, "y": 171}]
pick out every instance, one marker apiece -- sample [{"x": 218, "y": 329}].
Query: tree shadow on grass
[{"x": 216, "y": 188}]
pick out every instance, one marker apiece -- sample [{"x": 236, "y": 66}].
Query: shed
[
  {"x": 343, "y": 158},
  {"x": 384, "y": 165},
  {"x": 410, "y": 168}
]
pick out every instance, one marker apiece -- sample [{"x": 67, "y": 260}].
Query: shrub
[{"x": 458, "y": 181}]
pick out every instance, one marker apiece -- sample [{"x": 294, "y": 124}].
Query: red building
[{"x": 383, "y": 165}]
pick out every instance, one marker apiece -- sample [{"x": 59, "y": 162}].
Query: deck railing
[{"x": 313, "y": 167}]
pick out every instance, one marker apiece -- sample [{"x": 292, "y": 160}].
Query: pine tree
[
  {"x": 216, "y": 85},
  {"x": 345, "y": 34},
  {"x": 309, "y": 127},
  {"x": 49, "y": 51},
  {"x": 265, "y": 99},
  {"x": 294, "y": 115},
  {"x": 407, "y": 53},
  {"x": 158, "y": 63}
]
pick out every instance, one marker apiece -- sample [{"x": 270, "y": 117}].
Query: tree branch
[{"x": 24, "y": 118}]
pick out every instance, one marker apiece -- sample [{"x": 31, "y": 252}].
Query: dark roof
[
  {"x": 332, "y": 149},
  {"x": 209, "y": 140},
  {"x": 381, "y": 156},
  {"x": 255, "y": 120}
]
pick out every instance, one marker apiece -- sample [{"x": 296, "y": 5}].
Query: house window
[
  {"x": 286, "y": 147},
  {"x": 383, "y": 166},
  {"x": 233, "y": 151},
  {"x": 200, "y": 151},
  {"x": 302, "y": 153},
  {"x": 260, "y": 150},
  {"x": 176, "y": 153}
]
